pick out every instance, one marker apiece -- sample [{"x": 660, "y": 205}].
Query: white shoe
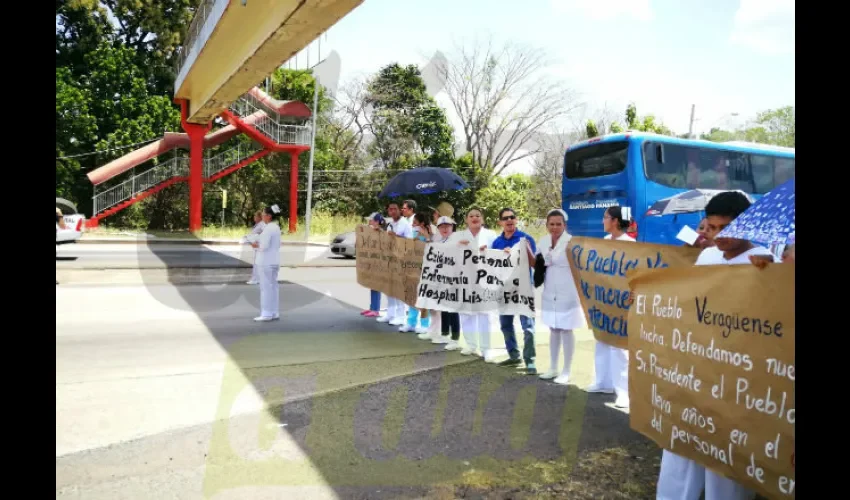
[
  {"x": 466, "y": 351},
  {"x": 396, "y": 321},
  {"x": 263, "y": 318},
  {"x": 453, "y": 345},
  {"x": 599, "y": 389},
  {"x": 252, "y": 282},
  {"x": 421, "y": 330},
  {"x": 562, "y": 380},
  {"x": 548, "y": 375},
  {"x": 276, "y": 317},
  {"x": 405, "y": 328},
  {"x": 424, "y": 336},
  {"x": 440, "y": 340},
  {"x": 383, "y": 319},
  {"x": 622, "y": 401}
]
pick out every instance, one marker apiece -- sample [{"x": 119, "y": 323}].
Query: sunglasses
[{"x": 508, "y": 217}]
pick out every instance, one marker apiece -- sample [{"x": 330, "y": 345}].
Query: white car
[
  {"x": 345, "y": 244},
  {"x": 74, "y": 223}
]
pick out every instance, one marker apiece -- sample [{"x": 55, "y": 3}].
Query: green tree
[
  {"x": 408, "y": 125},
  {"x": 114, "y": 81},
  {"x": 590, "y": 129},
  {"x": 509, "y": 191},
  {"x": 779, "y": 125},
  {"x": 645, "y": 123},
  {"x": 772, "y": 126},
  {"x": 106, "y": 109}
]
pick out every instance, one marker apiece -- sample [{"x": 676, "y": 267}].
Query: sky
[{"x": 729, "y": 58}]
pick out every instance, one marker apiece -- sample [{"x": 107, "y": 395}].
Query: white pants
[
  {"x": 683, "y": 479},
  {"x": 255, "y": 271},
  {"x": 436, "y": 329},
  {"x": 395, "y": 308},
  {"x": 558, "y": 338},
  {"x": 612, "y": 368},
  {"x": 269, "y": 287},
  {"x": 476, "y": 331}
]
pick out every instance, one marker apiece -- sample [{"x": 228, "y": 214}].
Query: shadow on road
[{"x": 345, "y": 413}]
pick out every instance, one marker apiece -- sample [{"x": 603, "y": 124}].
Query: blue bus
[{"x": 636, "y": 169}]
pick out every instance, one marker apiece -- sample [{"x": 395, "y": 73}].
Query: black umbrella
[{"x": 423, "y": 180}]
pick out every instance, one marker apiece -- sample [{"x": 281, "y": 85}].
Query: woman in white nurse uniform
[
  {"x": 562, "y": 311},
  {"x": 251, "y": 238},
  {"x": 268, "y": 262},
  {"x": 476, "y": 326},
  {"x": 612, "y": 363}
]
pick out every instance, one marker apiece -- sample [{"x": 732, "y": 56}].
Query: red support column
[
  {"x": 196, "y": 176},
  {"x": 293, "y": 192},
  {"x": 196, "y": 167}
]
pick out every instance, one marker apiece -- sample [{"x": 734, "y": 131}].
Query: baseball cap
[
  {"x": 445, "y": 220},
  {"x": 377, "y": 217}
]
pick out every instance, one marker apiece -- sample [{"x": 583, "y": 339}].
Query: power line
[{"x": 108, "y": 150}]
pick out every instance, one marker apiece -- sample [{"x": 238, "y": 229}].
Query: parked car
[
  {"x": 344, "y": 245},
  {"x": 74, "y": 223}
]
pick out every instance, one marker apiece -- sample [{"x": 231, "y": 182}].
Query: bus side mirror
[{"x": 659, "y": 153}]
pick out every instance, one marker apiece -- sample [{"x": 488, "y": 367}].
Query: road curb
[{"x": 184, "y": 241}]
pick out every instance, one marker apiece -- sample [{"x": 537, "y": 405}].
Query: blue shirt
[{"x": 501, "y": 243}]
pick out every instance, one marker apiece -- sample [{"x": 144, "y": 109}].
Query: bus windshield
[{"x": 596, "y": 160}]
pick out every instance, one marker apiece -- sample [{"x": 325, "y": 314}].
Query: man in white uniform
[
  {"x": 398, "y": 226},
  {"x": 681, "y": 478}
]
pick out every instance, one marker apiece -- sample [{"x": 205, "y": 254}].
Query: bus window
[
  {"x": 740, "y": 172},
  {"x": 762, "y": 173},
  {"x": 675, "y": 168},
  {"x": 784, "y": 170},
  {"x": 697, "y": 168},
  {"x": 597, "y": 160}
]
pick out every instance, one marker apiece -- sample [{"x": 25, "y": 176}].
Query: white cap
[{"x": 445, "y": 220}]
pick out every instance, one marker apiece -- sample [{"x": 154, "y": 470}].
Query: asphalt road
[
  {"x": 167, "y": 391},
  {"x": 164, "y": 255}
]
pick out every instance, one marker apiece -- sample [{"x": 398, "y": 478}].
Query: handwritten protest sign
[
  {"x": 599, "y": 269},
  {"x": 711, "y": 375},
  {"x": 388, "y": 264},
  {"x": 459, "y": 278}
]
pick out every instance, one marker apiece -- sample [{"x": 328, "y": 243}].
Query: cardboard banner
[
  {"x": 599, "y": 269},
  {"x": 460, "y": 278},
  {"x": 711, "y": 371},
  {"x": 388, "y": 264}
]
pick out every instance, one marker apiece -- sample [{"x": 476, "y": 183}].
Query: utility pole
[
  {"x": 308, "y": 215},
  {"x": 691, "y": 125}
]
